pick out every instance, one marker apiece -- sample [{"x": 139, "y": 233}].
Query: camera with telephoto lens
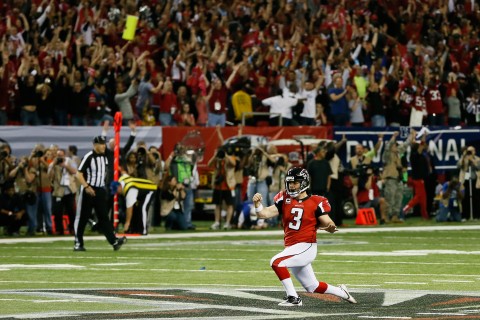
[
  {"x": 141, "y": 153},
  {"x": 221, "y": 153},
  {"x": 38, "y": 153},
  {"x": 469, "y": 153},
  {"x": 59, "y": 160},
  {"x": 3, "y": 154}
]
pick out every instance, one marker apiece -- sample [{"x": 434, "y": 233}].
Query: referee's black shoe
[
  {"x": 119, "y": 242},
  {"x": 79, "y": 248}
]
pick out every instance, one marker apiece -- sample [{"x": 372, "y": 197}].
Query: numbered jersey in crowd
[
  {"x": 299, "y": 217},
  {"x": 407, "y": 100},
  {"x": 433, "y": 99}
]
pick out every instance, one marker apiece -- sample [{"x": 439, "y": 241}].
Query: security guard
[{"x": 138, "y": 194}]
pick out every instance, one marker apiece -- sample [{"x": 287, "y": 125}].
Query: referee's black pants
[{"x": 85, "y": 204}]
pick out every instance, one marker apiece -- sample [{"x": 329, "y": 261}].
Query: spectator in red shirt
[
  {"x": 433, "y": 99},
  {"x": 184, "y": 117},
  {"x": 168, "y": 104}
]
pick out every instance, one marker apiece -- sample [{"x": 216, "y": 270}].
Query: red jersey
[
  {"x": 433, "y": 98},
  {"x": 419, "y": 104},
  {"x": 406, "y": 101},
  {"x": 299, "y": 217}
]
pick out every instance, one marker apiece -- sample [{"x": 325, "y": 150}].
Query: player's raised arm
[{"x": 261, "y": 211}]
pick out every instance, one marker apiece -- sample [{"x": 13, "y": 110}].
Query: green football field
[{"x": 429, "y": 271}]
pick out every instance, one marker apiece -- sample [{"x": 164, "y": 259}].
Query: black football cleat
[{"x": 119, "y": 242}]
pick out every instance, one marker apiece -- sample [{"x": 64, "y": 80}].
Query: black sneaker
[
  {"x": 291, "y": 301},
  {"x": 79, "y": 248},
  {"x": 119, "y": 242}
]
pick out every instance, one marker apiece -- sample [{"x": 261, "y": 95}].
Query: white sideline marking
[
  {"x": 256, "y": 233},
  {"x": 442, "y": 314},
  {"x": 399, "y": 282},
  {"x": 371, "y": 254},
  {"x": 115, "y": 264},
  {"x": 454, "y": 281},
  {"x": 397, "y": 253},
  {"x": 152, "y": 295},
  {"x": 39, "y": 266},
  {"x": 383, "y": 317},
  {"x": 222, "y": 259}
]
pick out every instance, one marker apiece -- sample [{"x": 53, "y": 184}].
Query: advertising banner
[{"x": 445, "y": 144}]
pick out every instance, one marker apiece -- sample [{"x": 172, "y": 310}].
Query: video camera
[{"x": 239, "y": 147}]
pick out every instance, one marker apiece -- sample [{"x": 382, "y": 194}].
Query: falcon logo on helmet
[{"x": 297, "y": 175}]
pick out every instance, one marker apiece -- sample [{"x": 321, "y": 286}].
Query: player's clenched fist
[{"x": 257, "y": 199}]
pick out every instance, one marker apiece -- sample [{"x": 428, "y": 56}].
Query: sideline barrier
[
  {"x": 172, "y": 135},
  {"x": 366, "y": 216}
]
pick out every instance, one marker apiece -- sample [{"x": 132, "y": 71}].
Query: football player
[{"x": 302, "y": 214}]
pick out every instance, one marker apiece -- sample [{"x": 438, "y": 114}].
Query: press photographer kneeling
[
  {"x": 368, "y": 195},
  {"x": 173, "y": 194}
]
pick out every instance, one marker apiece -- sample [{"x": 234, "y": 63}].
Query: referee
[
  {"x": 138, "y": 195},
  {"x": 91, "y": 174}
]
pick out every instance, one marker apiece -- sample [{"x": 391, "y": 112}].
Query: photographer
[
  {"x": 362, "y": 156},
  {"x": 469, "y": 165},
  {"x": 42, "y": 157},
  {"x": 183, "y": 166},
  {"x": 12, "y": 210},
  {"x": 451, "y": 198},
  {"x": 62, "y": 172},
  {"x": 223, "y": 185},
  {"x": 144, "y": 160},
  {"x": 260, "y": 178},
  {"x": 368, "y": 195},
  {"x": 7, "y": 163},
  {"x": 155, "y": 174},
  {"x": 24, "y": 175},
  {"x": 173, "y": 194},
  {"x": 392, "y": 174}
]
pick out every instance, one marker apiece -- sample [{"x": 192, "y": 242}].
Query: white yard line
[
  {"x": 188, "y": 235},
  {"x": 400, "y": 282},
  {"x": 224, "y": 259}
]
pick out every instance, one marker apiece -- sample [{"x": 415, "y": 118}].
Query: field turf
[{"x": 413, "y": 271}]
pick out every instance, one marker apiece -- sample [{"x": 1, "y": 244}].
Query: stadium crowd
[
  {"x": 401, "y": 62},
  {"x": 358, "y": 63}
]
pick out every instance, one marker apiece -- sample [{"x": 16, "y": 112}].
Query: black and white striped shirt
[{"x": 94, "y": 169}]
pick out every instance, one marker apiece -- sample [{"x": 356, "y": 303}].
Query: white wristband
[{"x": 258, "y": 209}]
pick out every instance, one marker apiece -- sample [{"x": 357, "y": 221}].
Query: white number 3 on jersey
[{"x": 297, "y": 218}]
